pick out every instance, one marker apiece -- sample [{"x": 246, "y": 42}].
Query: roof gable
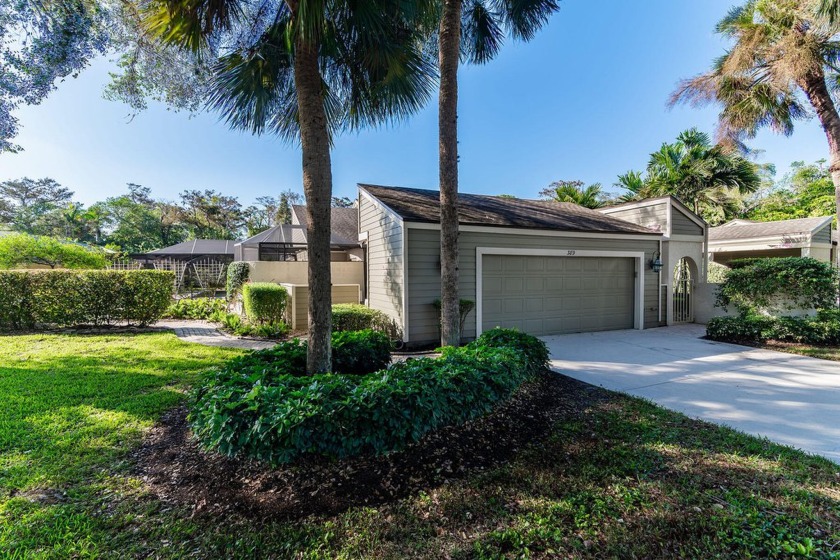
[{"x": 421, "y": 205}]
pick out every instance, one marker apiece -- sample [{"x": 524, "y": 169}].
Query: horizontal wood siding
[
  {"x": 683, "y": 225},
  {"x": 384, "y": 259},
  {"x": 823, "y": 235},
  {"x": 424, "y": 272},
  {"x": 654, "y": 216}
]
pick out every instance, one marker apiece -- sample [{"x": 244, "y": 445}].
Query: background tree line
[{"x": 135, "y": 221}]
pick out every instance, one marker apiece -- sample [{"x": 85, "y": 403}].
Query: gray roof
[
  {"x": 420, "y": 205},
  {"x": 198, "y": 247},
  {"x": 745, "y": 229},
  {"x": 344, "y": 226}
]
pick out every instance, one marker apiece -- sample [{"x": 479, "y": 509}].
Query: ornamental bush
[
  {"x": 65, "y": 298},
  {"x": 360, "y": 352},
  {"x": 195, "y": 308},
  {"x": 789, "y": 283},
  {"x": 270, "y": 414},
  {"x": 237, "y": 275},
  {"x": 356, "y": 317},
  {"x": 264, "y": 302}
]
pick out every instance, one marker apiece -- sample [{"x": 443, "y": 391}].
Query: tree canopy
[
  {"x": 591, "y": 196},
  {"x": 19, "y": 250}
]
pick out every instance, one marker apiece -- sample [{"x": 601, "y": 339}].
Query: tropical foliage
[
  {"x": 784, "y": 59},
  {"x": 807, "y": 191},
  {"x": 591, "y": 196},
  {"x": 709, "y": 178}
]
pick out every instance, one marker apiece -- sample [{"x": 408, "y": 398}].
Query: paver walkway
[
  {"x": 202, "y": 332},
  {"x": 790, "y": 399}
]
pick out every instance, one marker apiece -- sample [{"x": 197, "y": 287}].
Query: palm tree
[
  {"x": 475, "y": 29},
  {"x": 306, "y": 70},
  {"x": 785, "y": 57},
  {"x": 591, "y": 196},
  {"x": 710, "y": 178}
]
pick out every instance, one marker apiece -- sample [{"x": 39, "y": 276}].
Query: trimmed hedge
[
  {"x": 195, "y": 308},
  {"x": 357, "y": 317},
  {"x": 822, "y": 329},
  {"x": 264, "y": 302},
  {"x": 279, "y": 418},
  {"x": 64, "y": 298}
]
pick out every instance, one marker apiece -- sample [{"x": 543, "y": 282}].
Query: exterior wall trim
[
  {"x": 639, "y": 256},
  {"x": 537, "y": 232}
]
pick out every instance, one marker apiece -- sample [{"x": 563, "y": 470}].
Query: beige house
[
  {"x": 804, "y": 237},
  {"x": 543, "y": 267}
]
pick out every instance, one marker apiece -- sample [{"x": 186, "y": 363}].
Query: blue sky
[{"x": 586, "y": 99}]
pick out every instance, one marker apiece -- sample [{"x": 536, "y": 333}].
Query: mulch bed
[{"x": 178, "y": 471}]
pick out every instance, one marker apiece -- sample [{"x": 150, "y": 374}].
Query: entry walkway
[
  {"x": 202, "y": 332},
  {"x": 787, "y": 398}
]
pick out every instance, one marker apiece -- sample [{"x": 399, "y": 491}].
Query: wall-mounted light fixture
[{"x": 656, "y": 262}]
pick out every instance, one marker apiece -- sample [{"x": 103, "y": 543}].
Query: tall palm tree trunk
[
  {"x": 816, "y": 90},
  {"x": 450, "y": 51},
  {"x": 317, "y": 187}
]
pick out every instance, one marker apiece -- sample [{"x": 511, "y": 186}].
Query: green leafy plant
[
  {"x": 820, "y": 330},
  {"x": 360, "y": 352},
  {"x": 234, "y": 324},
  {"x": 792, "y": 282},
  {"x": 356, "y": 317},
  {"x": 237, "y": 275},
  {"x": 256, "y": 406},
  {"x": 62, "y": 298},
  {"x": 264, "y": 302},
  {"x": 195, "y": 308},
  {"x": 19, "y": 250}
]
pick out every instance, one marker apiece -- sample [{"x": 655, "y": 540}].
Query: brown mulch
[{"x": 177, "y": 470}]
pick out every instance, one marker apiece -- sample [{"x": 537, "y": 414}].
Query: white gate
[{"x": 681, "y": 296}]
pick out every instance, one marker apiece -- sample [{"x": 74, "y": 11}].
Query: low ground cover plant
[
  {"x": 195, "y": 308},
  {"x": 823, "y": 329},
  {"x": 67, "y": 298},
  {"x": 233, "y": 323},
  {"x": 356, "y": 317},
  {"x": 274, "y": 415}
]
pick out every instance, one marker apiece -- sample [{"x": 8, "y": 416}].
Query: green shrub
[
  {"x": 717, "y": 273},
  {"x": 822, "y": 329},
  {"x": 234, "y": 324},
  {"x": 237, "y": 275},
  {"x": 256, "y": 407},
  {"x": 356, "y": 317},
  {"x": 195, "y": 308},
  {"x": 20, "y": 250},
  {"x": 63, "y": 298},
  {"x": 264, "y": 302},
  {"x": 360, "y": 352},
  {"x": 801, "y": 282}
]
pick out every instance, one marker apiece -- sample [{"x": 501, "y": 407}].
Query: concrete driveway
[{"x": 789, "y": 399}]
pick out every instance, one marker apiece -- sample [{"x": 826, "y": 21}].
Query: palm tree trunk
[
  {"x": 317, "y": 186},
  {"x": 450, "y": 36},
  {"x": 816, "y": 90}
]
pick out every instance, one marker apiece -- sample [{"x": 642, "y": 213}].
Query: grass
[
  {"x": 812, "y": 351},
  {"x": 620, "y": 479}
]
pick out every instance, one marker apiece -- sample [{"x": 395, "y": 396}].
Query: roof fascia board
[{"x": 535, "y": 232}]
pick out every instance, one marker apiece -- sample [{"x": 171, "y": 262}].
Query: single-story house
[
  {"x": 683, "y": 253},
  {"x": 221, "y": 249},
  {"x": 540, "y": 266},
  {"x": 802, "y": 237}
]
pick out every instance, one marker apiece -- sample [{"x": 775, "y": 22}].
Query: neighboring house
[
  {"x": 200, "y": 265},
  {"x": 683, "y": 252},
  {"x": 540, "y": 266},
  {"x": 219, "y": 249},
  {"x": 803, "y": 237}
]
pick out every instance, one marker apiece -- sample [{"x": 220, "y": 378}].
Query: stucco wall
[{"x": 297, "y": 272}]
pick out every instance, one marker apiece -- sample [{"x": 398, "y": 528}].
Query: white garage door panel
[{"x": 551, "y": 295}]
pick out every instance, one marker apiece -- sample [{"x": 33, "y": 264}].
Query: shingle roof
[
  {"x": 742, "y": 229},
  {"x": 420, "y": 205},
  {"x": 198, "y": 247},
  {"x": 345, "y": 224}
]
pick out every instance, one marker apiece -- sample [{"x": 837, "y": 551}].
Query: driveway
[{"x": 789, "y": 399}]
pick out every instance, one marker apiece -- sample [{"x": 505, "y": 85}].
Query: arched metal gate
[{"x": 681, "y": 298}]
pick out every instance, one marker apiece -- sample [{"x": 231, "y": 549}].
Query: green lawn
[{"x": 616, "y": 477}]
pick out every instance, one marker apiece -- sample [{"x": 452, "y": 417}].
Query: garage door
[{"x": 554, "y": 295}]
